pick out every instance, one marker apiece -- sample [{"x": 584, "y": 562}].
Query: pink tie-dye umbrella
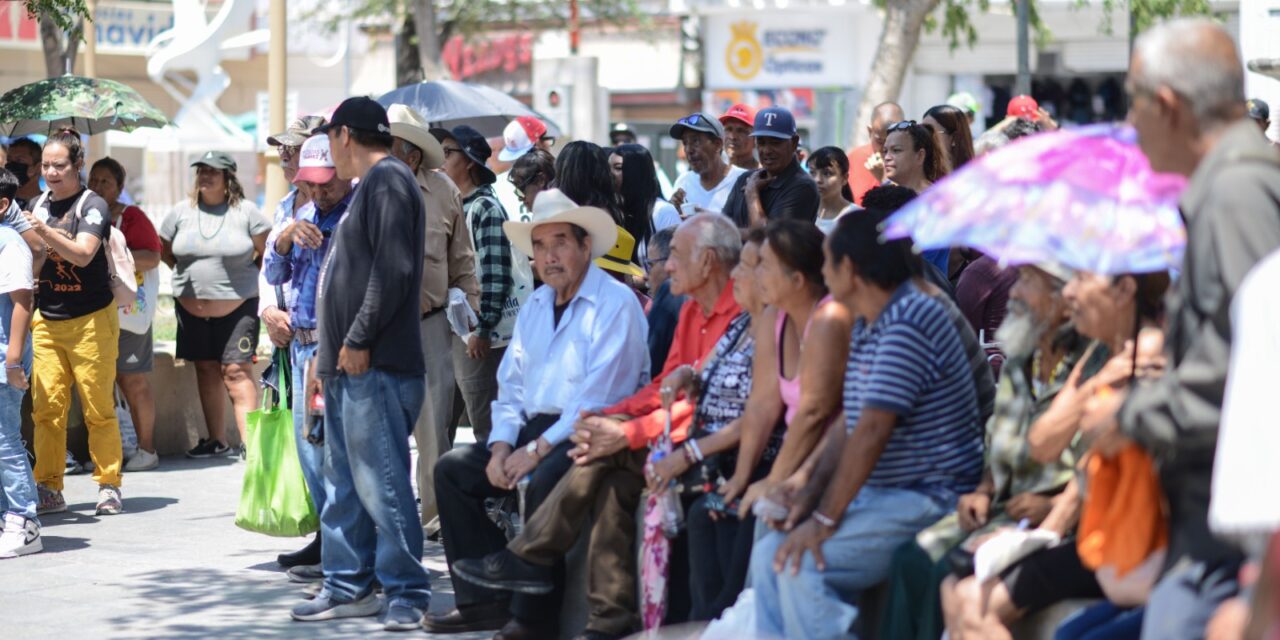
[
  {"x": 661, "y": 523},
  {"x": 1086, "y": 198}
]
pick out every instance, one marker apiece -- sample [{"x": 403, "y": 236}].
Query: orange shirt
[
  {"x": 696, "y": 335},
  {"x": 860, "y": 180}
]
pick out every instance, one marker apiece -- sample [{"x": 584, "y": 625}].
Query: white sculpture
[{"x": 196, "y": 45}]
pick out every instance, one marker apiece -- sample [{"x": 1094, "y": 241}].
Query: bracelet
[
  {"x": 697, "y": 451},
  {"x": 688, "y": 454},
  {"x": 824, "y": 520},
  {"x": 13, "y": 366}
]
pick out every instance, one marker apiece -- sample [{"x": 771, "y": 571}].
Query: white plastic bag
[{"x": 737, "y": 622}]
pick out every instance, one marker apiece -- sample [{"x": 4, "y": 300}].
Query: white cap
[
  {"x": 315, "y": 164},
  {"x": 519, "y": 137}
]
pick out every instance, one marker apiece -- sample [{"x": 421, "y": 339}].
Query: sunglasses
[
  {"x": 905, "y": 125},
  {"x": 521, "y": 185},
  {"x": 691, "y": 121},
  {"x": 287, "y": 152}
]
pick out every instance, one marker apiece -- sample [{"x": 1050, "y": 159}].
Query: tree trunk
[
  {"x": 903, "y": 20},
  {"x": 429, "y": 41},
  {"x": 408, "y": 69},
  {"x": 55, "y": 63}
]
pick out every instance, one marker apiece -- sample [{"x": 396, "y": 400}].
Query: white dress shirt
[{"x": 597, "y": 356}]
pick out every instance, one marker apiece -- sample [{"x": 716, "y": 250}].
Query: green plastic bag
[{"x": 274, "y": 499}]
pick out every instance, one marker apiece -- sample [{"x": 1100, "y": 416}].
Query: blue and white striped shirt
[{"x": 911, "y": 362}]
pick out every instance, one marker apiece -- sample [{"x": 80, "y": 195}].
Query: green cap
[{"x": 216, "y": 160}]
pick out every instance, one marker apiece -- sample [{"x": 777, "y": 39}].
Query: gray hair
[
  {"x": 660, "y": 243},
  {"x": 989, "y": 141},
  {"x": 716, "y": 233},
  {"x": 1187, "y": 55}
]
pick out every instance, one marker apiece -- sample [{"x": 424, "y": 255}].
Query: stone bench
[{"x": 179, "y": 418}]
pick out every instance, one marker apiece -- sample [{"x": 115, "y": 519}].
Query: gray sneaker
[
  {"x": 324, "y": 607},
  {"x": 50, "y": 501},
  {"x": 402, "y": 617},
  {"x": 302, "y": 574},
  {"x": 110, "y": 502}
]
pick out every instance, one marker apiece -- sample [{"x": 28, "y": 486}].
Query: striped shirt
[{"x": 911, "y": 362}]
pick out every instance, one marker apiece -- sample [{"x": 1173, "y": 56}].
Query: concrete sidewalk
[{"x": 173, "y": 565}]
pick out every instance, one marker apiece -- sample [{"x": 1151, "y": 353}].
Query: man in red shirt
[
  {"x": 608, "y": 475},
  {"x": 862, "y": 179}
]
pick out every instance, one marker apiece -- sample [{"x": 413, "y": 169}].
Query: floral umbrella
[
  {"x": 655, "y": 547},
  {"x": 88, "y": 105},
  {"x": 1087, "y": 198}
]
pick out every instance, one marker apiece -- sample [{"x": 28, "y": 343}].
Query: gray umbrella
[{"x": 449, "y": 103}]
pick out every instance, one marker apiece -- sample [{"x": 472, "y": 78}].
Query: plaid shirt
[
  {"x": 301, "y": 267},
  {"x": 485, "y": 216}
]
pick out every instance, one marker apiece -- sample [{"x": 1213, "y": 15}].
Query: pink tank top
[{"x": 790, "y": 389}]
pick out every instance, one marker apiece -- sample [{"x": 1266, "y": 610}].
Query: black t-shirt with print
[{"x": 68, "y": 291}]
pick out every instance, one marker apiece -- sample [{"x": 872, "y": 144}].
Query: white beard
[{"x": 1019, "y": 335}]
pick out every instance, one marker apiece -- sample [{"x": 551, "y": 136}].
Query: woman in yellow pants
[{"x": 75, "y": 331}]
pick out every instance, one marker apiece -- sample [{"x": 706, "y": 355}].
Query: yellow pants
[{"x": 82, "y": 351}]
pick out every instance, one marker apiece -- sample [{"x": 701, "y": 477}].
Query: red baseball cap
[
  {"x": 1023, "y": 107},
  {"x": 520, "y": 136},
  {"x": 740, "y": 112}
]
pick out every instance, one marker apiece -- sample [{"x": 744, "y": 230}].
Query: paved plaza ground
[{"x": 173, "y": 565}]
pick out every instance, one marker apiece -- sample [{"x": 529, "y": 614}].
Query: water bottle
[
  {"x": 314, "y": 432},
  {"x": 517, "y": 518},
  {"x": 672, "y": 513}
]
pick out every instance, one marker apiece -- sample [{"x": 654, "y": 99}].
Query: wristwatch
[{"x": 532, "y": 448}]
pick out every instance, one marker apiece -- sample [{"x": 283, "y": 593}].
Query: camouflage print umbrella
[{"x": 88, "y": 105}]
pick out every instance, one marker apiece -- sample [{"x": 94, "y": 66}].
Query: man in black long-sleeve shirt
[
  {"x": 370, "y": 361},
  {"x": 780, "y": 189}
]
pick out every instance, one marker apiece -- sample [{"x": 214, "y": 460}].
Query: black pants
[
  {"x": 719, "y": 555},
  {"x": 461, "y": 489}
]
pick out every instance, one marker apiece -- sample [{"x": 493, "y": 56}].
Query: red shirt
[
  {"x": 696, "y": 335},
  {"x": 860, "y": 180},
  {"x": 139, "y": 233}
]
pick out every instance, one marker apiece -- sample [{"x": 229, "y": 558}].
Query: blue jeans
[
  {"x": 370, "y": 520},
  {"x": 1102, "y": 621},
  {"x": 821, "y": 604},
  {"x": 309, "y": 455},
  {"x": 1184, "y": 600},
  {"x": 19, "y": 494}
]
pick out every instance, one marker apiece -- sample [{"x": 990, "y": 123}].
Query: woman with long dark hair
[
  {"x": 913, "y": 159},
  {"x": 643, "y": 209},
  {"x": 582, "y": 173},
  {"x": 951, "y": 126}
]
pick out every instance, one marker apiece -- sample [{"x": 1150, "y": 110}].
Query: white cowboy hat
[
  {"x": 552, "y": 206},
  {"x": 407, "y": 125}
]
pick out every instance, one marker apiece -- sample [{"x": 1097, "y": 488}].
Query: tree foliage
[{"x": 66, "y": 14}]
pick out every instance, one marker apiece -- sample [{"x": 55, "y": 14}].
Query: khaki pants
[
  {"x": 80, "y": 351},
  {"x": 431, "y": 433},
  {"x": 611, "y": 489}
]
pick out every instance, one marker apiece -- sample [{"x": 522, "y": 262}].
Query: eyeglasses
[
  {"x": 288, "y": 151},
  {"x": 449, "y": 150},
  {"x": 651, "y": 264},
  {"x": 905, "y": 125},
  {"x": 521, "y": 185}
]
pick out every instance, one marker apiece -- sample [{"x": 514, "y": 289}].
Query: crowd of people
[{"x": 850, "y": 420}]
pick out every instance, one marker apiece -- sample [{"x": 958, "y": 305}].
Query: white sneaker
[
  {"x": 143, "y": 460},
  {"x": 20, "y": 537}
]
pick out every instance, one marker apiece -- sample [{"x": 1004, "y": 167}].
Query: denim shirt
[{"x": 301, "y": 268}]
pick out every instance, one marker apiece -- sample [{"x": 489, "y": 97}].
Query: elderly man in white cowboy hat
[
  {"x": 449, "y": 264},
  {"x": 579, "y": 346}
]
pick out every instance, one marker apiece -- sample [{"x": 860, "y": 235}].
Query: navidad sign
[{"x": 777, "y": 50}]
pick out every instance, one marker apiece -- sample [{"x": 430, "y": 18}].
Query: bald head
[
  {"x": 1197, "y": 59},
  {"x": 885, "y": 114}
]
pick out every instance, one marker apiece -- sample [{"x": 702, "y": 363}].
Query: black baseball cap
[
  {"x": 473, "y": 145},
  {"x": 360, "y": 113},
  {"x": 216, "y": 160},
  {"x": 703, "y": 122}
]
